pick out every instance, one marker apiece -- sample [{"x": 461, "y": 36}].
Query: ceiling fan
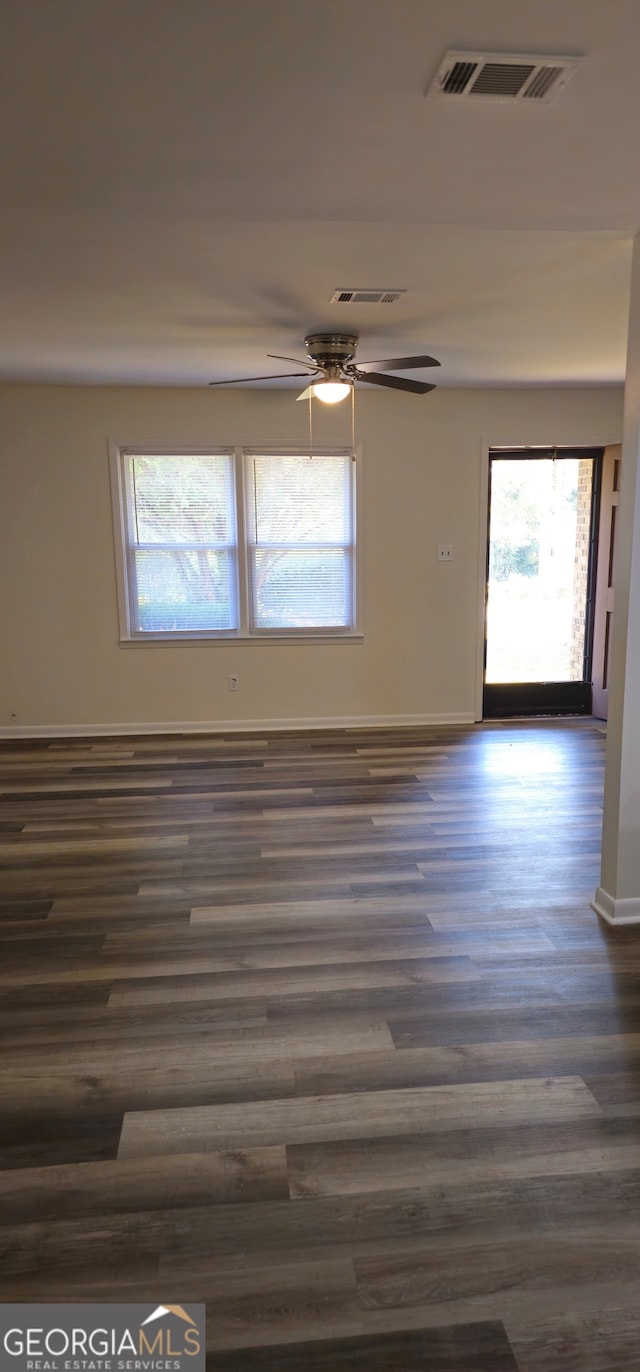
[{"x": 331, "y": 361}]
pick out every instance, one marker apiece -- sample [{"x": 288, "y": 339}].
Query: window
[
  {"x": 300, "y": 541},
  {"x": 181, "y": 544},
  {"x": 234, "y": 543}
]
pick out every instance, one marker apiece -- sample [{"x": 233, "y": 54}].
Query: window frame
[{"x": 241, "y": 456}]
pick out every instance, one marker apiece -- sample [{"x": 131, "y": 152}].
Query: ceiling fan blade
[
  {"x": 238, "y": 380},
  {"x": 280, "y": 358},
  {"x": 399, "y": 364},
  {"x": 396, "y": 383}
]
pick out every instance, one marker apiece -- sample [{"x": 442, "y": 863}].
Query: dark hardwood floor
[{"x": 321, "y": 1030}]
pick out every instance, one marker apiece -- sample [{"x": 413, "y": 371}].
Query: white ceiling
[{"x": 186, "y": 182}]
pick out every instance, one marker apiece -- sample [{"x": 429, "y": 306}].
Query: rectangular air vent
[
  {"x": 363, "y": 295},
  {"x": 502, "y": 76}
]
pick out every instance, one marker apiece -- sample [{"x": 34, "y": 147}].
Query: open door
[
  {"x": 540, "y": 562},
  {"x": 604, "y": 579}
]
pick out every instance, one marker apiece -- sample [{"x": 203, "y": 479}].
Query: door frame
[
  {"x": 570, "y": 697},
  {"x": 483, "y": 525},
  {"x": 604, "y": 590}
]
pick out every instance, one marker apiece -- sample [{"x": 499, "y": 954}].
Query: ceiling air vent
[
  {"x": 362, "y": 295},
  {"x": 502, "y": 76}
]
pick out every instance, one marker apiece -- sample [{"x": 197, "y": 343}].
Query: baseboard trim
[
  {"x": 228, "y": 726},
  {"x": 614, "y": 911}
]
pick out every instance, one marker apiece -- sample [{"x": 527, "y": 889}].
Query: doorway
[{"x": 543, "y": 515}]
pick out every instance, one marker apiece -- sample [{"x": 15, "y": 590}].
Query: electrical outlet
[
  {"x": 233, "y": 682},
  {"x": 445, "y": 552}
]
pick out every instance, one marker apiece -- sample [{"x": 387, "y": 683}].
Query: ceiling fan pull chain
[
  {"x": 353, "y": 422},
  {"x": 310, "y": 425}
]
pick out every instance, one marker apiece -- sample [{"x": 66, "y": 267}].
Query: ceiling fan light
[{"x": 330, "y": 391}]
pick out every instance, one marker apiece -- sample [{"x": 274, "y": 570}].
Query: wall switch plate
[
  {"x": 445, "y": 552},
  {"x": 233, "y": 682}
]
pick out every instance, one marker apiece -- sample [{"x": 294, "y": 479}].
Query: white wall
[{"x": 62, "y": 665}]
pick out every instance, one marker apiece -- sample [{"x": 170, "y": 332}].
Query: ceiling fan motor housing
[{"x": 331, "y": 349}]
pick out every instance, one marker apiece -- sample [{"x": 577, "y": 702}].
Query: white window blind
[
  {"x": 181, "y": 553},
  {"x": 300, "y": 536}
]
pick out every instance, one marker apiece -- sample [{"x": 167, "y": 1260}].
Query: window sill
[{"x": 238, "y": 640}]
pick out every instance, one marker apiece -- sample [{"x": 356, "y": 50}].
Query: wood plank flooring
[{"x": 320, "y": 1029}]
